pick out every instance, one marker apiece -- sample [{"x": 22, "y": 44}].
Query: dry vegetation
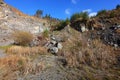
[
  {"x": 22, "y": 37},
  {"x": 26, "y": 51},
  {"x": 19, "y": 62},
  {"x": 96, "y": 55},
  {"x": 92, "y": 57}
]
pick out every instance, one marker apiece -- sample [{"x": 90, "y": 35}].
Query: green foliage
[
  {"x": 46, "y": 34},
  {"x": 101, "y": 12},
  {"x": 47, "y": 16},
  {"x": 22, "y": 38},
  {"x": 62, "y": 24},
  {"x": 112, "y": 14},
  {"x": 5, "y": 47},
  {"x": 118, "y": 6},
  {"x": 82, "y": 15},
  {"x": 38, "y": 13}
]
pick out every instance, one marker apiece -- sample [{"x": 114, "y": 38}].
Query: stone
[
  {"x": 83, "y": 29},
  {"x": 52, "y": 37},
  {"x": 118, "y": 26},
  {"x": 115, "y": 45},
  {"x": 53, "y": 50},
  {"x": 56, "y": 38},
  {"x": 59, "y": 46},
  {"x": 53, "y": 42}
]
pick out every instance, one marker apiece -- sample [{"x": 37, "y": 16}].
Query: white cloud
[
  {"x": 92, "y": 14},
  {"x": 74, "y": 1},
  {"x": 67, "y": 11},
  {"x": 87, "y": 10}
]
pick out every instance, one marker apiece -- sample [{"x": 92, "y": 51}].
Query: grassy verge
[{"x": 5, "y": 47}]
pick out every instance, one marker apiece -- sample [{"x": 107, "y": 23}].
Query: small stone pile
[{"x": 54, "y": 45}]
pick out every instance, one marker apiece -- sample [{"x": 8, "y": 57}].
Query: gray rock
[
  {"x": 83, "y": 29},
  {"x": 115, "y": 45},
  {"x": 53, "y": 50},
  {"x": 59, "y": 46},
  {"x": 53, "y": 42},
  {"x": 49, "y": 46},
  {"x": 118, "y": 26},
  {"x": 52, "y": 37}
]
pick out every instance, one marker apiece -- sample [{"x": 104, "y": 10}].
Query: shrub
[
  {"x": 38, "y": 13},
  {"x": 62, "y": 24},
  {"x": 83, "y": 15},
  {"x": 112, "y": 14},
  {"x": 46, "y": 34},
  {"x": 101, "y": 12},
  {"x": 22, "y": 38},
  {"x": 118, "y": 6}
]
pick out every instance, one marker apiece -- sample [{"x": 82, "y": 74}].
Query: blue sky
[{"x": 62, "y": 8}]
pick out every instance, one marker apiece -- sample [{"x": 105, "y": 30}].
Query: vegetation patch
[{"x": 22, "y": 38}]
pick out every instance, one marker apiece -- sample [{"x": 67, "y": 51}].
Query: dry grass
[
  {"x": 20, "y": 62},
  {"x": 9, "y": 65},
  {"x": 22, "y": 37},
  {"x": 26, "y": 51},
  {"x": 96, "y": 55},
  {"x": 15, "y": 66}
]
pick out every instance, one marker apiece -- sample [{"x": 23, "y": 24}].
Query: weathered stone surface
[
  {"x": 110, "y": 36},
  {"x": 53, "y": 50},
  {"x": 59, "y": 46},
  {"x": 83, "y": 29}
]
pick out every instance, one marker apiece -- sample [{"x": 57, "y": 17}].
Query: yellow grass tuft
[
  {"x": 22, "y": 37},
  {"x": 26, "y": 51}
]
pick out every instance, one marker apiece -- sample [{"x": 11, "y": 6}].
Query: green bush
[
  {"x": 82, "y": 15},
  {"x": 101, "y": 12},
  {"x": 46, "y": 34},
  {"x": 112, "y": 14},
  {"x": 22, "y": 38},
  {"x": 62, "y": 24},
  {"x": 118, "y": 6}
]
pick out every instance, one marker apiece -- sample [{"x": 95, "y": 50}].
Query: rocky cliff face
[{"x": 12, "y": 19}]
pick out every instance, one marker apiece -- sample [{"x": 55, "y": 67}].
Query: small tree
[
  {"x": 47, "y": 16},
  {"x": 118, "y": 6},
  {"x": 38, "y": 13},
  {"x": 101, "y": 12},
  {"x": 82, "y": 15},
  {"x": 62, "y": 24}
]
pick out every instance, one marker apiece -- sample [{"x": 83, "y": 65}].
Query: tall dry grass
[
  {"x": 97, "y": 55},
  {"x": 22, "y": 37},
  {"x": 26, "y": 51},
  {"x": 10, "y": 65},
  {"x": 19, "y": 62}
]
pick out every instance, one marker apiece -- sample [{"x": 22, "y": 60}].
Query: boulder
[
  {"x": 53, "y": 50},
  {"x": 83, "y": 29},
  {"x": 59, "y": 46}
]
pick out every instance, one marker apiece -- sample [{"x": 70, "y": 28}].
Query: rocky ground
[{"x": 70, "y": 54}]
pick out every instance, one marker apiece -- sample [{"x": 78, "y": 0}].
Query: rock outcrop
[{"x": 12, "y": 19}]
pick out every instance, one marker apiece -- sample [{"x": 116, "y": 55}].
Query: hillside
[
  {"x": 108, "y": 18},
  {"x": 12, "y": 19},
  {"x": 86, "y": 49}
]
